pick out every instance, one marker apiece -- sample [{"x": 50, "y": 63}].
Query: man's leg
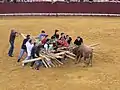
[
  {"x": 10, "y": 53},
  {"x": 37, "y": 64},
  {"x": 21, "y": 54},
  {"x": 32, "y": 64},
  {"x": 27, "y": 58}
]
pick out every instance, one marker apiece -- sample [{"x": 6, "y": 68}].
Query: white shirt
[
  {"x": 29, "y": 47},
  {"x": 46, "y": 47}
]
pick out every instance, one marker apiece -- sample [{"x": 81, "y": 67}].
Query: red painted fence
[{"x": 60, "y": 7}]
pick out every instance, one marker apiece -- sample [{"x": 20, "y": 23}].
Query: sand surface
[{"x": 104, "y": 75}]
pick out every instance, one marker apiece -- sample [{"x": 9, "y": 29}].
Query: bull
[{"x": 83, "y": 52}]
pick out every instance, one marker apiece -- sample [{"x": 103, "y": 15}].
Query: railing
[
  {"x": 30, "y": 1},
  {"x": 60, "y": 9}
]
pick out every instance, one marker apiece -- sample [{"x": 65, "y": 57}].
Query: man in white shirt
[{"x": 29, "y": 46}]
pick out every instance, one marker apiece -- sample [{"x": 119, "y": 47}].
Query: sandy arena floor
[{"x": 104, "y": 75}]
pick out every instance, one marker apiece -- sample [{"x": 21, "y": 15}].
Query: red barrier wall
[{"x": 60, "y": 7}]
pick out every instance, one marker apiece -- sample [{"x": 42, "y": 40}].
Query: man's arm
[
  {"x": 81, "y": 40},
  {"x": 17, "y": 34},
  {"x": 75, "y": 41}
]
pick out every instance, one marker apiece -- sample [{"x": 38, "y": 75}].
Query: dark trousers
[
  {"x": 33, "y": 57},
  {"x": 38, "y": 64},
  {"x": 11, "y": 48},
  {"x": 32, "y": 63}
]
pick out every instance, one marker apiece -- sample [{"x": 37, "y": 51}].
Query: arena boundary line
[{"x": 58, "y": 14}]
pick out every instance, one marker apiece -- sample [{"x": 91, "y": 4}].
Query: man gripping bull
[{"x": 78, "y": 41}]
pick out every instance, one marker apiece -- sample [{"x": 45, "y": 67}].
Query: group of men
[{"x": 31, "y": 48}]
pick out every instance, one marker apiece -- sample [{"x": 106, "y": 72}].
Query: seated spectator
[
  {"x": 56, "y": 35},
  {"x": 44, "y": 40},
  {"x": 62, "y": 43},
  {"x": 54, "y": 41},
  {"x": 68, "y": 39},
  {"x": 46, "y": 45},
  {"x": 62, "y": 36},
  {"x": 42, "y": 35},
  {"x": 65, "y": 44},
  {"x": 78, "y": 41}
]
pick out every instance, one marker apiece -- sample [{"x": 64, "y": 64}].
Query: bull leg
[
  {"x": 89, "y": 60},
  {"x": 84, "y": 59},
  {"x": 79, "y": 59},
  {"x": 85, "y": 62},
  {"x": 76, "y": 60}
]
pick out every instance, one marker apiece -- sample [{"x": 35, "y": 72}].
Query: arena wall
[{"x": 60, "y": 8}]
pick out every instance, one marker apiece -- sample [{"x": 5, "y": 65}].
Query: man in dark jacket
[
  {"x": 68, "y": 39},
  {"x": 34, "y": 54},
  {"x": 13, "y": 35},
  {"x": 56, "y": 34},
  {"x": 78, "y": 41},
  {"x": 62, "y": 36},
  {"x": 23, "y": 48}
]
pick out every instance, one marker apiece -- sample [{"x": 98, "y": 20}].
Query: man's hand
[{"x": 17, "y": 34}]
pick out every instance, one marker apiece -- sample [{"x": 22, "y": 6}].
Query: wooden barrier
[{"x": 60, "y": 7}]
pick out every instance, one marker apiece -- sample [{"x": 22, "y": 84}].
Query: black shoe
[
  {"x": 37, "y": 68},
  {"x": 18, "y": 60},
  {"x": 10, "y": 55}
]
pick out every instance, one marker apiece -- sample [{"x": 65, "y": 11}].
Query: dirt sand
[{"x": 104, "y": 75}]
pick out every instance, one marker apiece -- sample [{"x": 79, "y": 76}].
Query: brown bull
[{"x": 84, "y": 52}]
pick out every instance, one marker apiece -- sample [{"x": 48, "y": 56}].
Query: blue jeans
[
  {"x": 28, "y": 57},
  {"x": 10, "y": 53},
  {"x": 38, "y": 64},
  {"x": 22, "y": 51}
]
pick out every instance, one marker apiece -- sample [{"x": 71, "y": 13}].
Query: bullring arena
[
  {"x": 105, "y": 71},
  {"x": 104, "y": 75}
]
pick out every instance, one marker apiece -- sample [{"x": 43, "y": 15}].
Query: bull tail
[
  {"x": 93, "y": 45},
  {"x": 91, "y": 57}
]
